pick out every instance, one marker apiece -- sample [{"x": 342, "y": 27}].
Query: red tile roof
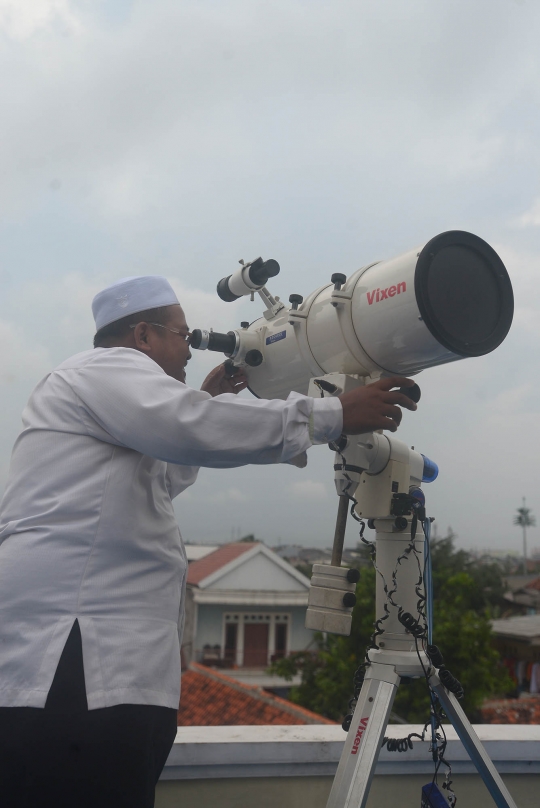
[
  {"x": 532, "y": 584},
  {"x": 512, "y": 711},
  {"x": 210, "y": 699},
  {"x": 198, "y": 570}
]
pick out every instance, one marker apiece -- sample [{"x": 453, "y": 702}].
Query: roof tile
[
  {"x": 210, "y": 699},
  {"x": 198, "y": 570}
]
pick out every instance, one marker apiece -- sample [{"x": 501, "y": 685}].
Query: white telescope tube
[{"x": 450, "y": 299}]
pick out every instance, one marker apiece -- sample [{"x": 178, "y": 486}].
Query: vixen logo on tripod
[{"x": 359, "y": 733}]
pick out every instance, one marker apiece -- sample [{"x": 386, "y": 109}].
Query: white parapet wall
[{"x": 202, "y": 753}]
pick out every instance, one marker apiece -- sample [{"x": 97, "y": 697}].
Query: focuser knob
[{"x": 338, "y": 279}]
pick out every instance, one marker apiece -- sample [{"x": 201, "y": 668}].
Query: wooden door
[{"x": 256, "y": 645}]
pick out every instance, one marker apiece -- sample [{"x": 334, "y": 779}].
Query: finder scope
[{"x": 250, "y": 278}]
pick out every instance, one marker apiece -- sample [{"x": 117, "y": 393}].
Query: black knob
[
  {"x": 244, "y": 324},
  {"x": 413, "y": 392},
  {"x": 346, "y": 725},
  {"x": 349, "y": 599},
  {"x": 338, "y": 279},
  {"x": 295, "y": 301},
  {"x": 353, "y": 576},
  {"x": 254, "y": 358},
  {"x": 400, "y": 523},
  {"x": 230, "y": 369}
]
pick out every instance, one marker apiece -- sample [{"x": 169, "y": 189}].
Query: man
[{"x": 92, "y": 567}]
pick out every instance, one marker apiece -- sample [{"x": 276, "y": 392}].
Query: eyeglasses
[{"x": 185, "y": 337}]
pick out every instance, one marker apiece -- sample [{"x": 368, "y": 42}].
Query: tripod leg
[
  {"x": 473, "y": 746},
  {"x": 352, "y": 782}
]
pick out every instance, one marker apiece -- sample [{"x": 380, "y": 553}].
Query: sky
[{"x": 175, "y": 138}]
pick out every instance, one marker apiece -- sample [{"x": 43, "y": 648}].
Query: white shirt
[{"x": 87, "y": 526}]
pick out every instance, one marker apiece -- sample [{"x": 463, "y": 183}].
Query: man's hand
[
  {"x": 375, "y": 406},
  {"x": 220, "y": 380}
]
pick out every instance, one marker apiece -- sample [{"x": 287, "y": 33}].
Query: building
[
  {"x": 524, "y": 594},
  {"x": 245, "y": 608},
  {"x": 517, "y": 639}
]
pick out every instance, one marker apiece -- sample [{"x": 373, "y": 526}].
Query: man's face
[
  {"x": 170, "y": 350},
  {"x": 174, "y": 354}
]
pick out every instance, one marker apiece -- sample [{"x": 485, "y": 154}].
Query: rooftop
[
  {"x": 211, "y": 698},
  {"x": 194, "y": 552},
  {"x": 524, "y": 627},
  {"x": 214, "y": 561}
]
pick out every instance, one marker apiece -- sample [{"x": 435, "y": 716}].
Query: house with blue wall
[{"x": 245, "y": 607}]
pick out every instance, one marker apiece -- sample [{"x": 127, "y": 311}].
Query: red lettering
[
  {"x": 384, "y": 294},
  {"x": 359, "y": 733}
]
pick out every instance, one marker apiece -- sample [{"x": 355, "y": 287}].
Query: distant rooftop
[
  {"x": 214, "y": 561},
  {"x": 210, "y": 698},
  {"x": 526, "y": 627},
  {"x": 194, "y": 552}
]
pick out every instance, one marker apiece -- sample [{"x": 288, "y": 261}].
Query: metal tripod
[{"x": 396, "y": 656}]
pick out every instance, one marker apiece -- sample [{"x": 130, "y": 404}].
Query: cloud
[
  {"x": 228, "y": 495},
  {"x": 20, "y": 359},
  {"x": 308, "y": 489},
  {"x": 530, "y": 218},
  {"x": 175, "y": 138},
  {"x": 21, "y": 20}
]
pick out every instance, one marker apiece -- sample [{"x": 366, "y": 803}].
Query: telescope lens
[
  {"x": 464, "y": 293},
  {"x": 224, "y": 292}
]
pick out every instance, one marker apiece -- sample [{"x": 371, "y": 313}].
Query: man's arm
[{"x": 126, "y": 396}]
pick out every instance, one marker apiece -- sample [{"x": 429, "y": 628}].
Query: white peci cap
[{"x": 130, "y": 295}]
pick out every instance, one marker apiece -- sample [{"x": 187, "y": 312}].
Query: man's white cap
[{"x": 130, "y": 295}]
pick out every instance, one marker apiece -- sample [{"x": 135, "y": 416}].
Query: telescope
[{"x": 446, "y": 300}]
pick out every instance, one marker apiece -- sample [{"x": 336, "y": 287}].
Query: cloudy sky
[{"x": 176, "y": 137}]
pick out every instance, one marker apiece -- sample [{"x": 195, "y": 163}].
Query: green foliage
[
  {"x": 305, "y": 569},
  {"x": 467, "y": 595},
  {"x": 524, "y": 517}
]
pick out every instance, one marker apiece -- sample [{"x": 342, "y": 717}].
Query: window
[
  {"x": 231, "y": 639},
  {"x": 280, "y": 641}
]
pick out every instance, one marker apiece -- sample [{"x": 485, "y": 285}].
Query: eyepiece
[
  {"x": 260, "y": 271},
  {"x": 213, "y": 341}
]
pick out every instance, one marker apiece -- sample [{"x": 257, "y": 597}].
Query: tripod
[
  {"x": 394, "y": 659},
  {"x": 384, "y": 475}
]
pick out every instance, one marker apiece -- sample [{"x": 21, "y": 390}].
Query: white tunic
[{"x": 87, "y": 527}]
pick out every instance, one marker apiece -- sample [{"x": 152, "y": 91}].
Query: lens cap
[{"x": 464, "y": 293}]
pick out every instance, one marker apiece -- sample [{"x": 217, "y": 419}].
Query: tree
[
  {"x": 524, "y": 519},
  {"x": 467, "y": 595}
]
